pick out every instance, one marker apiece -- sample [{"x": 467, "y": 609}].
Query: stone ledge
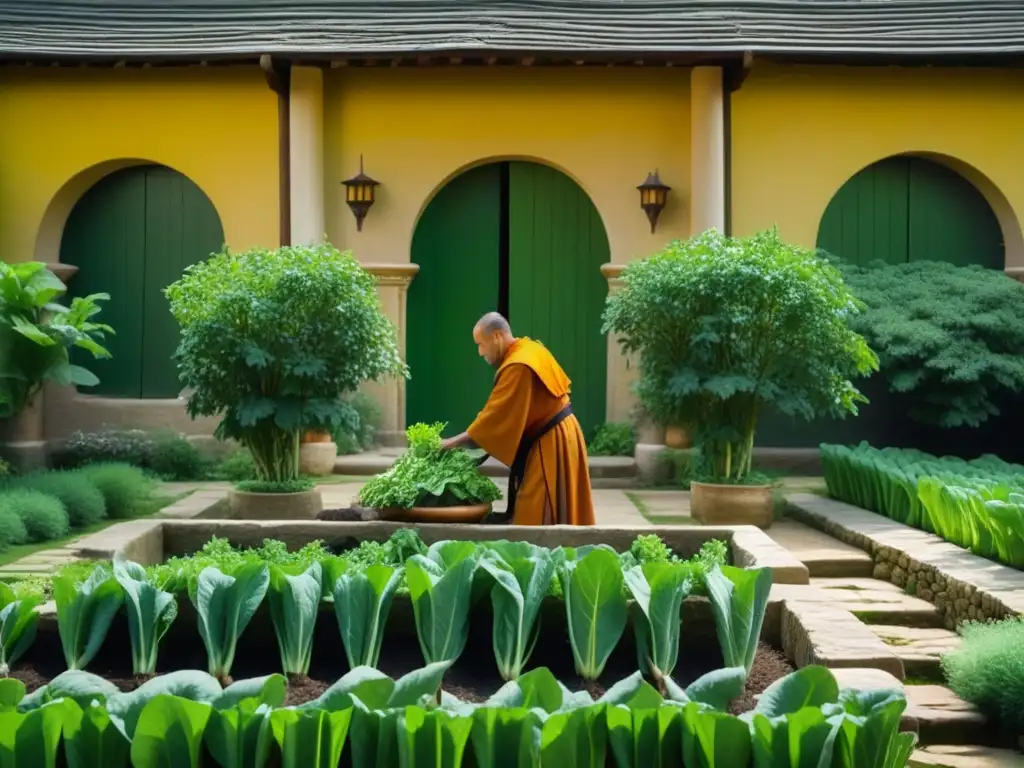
[
  {"x": 602, "y": 468},
  {"x": 820, "y": 633},
  {"x": 138, "y": 540},
  {"x": 202, "y": 504},
  {"x": 751, "y": 546},
  {"x": 960, "y": 584}
]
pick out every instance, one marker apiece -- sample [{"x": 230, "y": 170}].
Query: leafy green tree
[
  {"x": 271, "y": 340},
  {"x": 37, "y": 334},
  {"x": 952, "y": 336},
  {"x": 724, "y": 326}
]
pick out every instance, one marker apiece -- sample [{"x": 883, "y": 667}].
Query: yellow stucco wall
[
  {"x": 799, "y": 132},
  {"x": 62, "y": 129},
  {"x": 418, "y": 127}
]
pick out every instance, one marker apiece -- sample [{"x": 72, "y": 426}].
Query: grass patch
[
  {"x": 894, "y": 641},
  {"x": 639, "y": 503}
]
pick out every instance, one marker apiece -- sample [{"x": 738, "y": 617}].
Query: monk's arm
[
  {"x": 499, "y": 427},
  {"x": 462, "y": 440}
]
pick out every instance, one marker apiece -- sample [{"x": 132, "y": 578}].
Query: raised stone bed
[{"x": 959, "y": 584}]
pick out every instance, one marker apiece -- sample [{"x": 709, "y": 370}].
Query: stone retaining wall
[{"x": 963, "y": 586}]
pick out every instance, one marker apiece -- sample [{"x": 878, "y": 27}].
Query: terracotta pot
[
  {"x": 313, "y": 436},
  {"x": 471, "y": 514},
  {"x": 274, "y": 506},
  {"x": 317, "y": 459},
  {"x": 678, "y": 438},
  {"x": 714, "y": 504}
]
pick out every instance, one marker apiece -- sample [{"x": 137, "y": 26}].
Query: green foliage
[
  {"x": 6, "y": 470},
  {"x": 85, "y": 610},
  {"x": 236, "y": 466},
  {"x": 151, "y": 611},
  {"x": 12, "y": 529},
  {"x": 613, "y": 439},
  {"x": 441, "y": 599},
  {"x": 272, "y": 339},
  {"x": 126, "y": 490},
  {"x": 362, "y": 603},
  {"x": 424, "y": 476},
  {"x": 122, "y": 446},
  {"x": 978, "y": 505},
  {"x": 739, "y": 599},
  {"x": 358, "y": 431},
  {"x": 952, "y": 336},
  {"x": 18, "y": 621},
  {"x": 595, "y": 606},
  {"x": 658, "y": 591},
  {"x": 176, "y": 458},
  {"x": 293, "y": 485},
  {"x": 37, "y": 334},
  {"x": 724, "y": 327},
  {"x": 294, "y": 606},
  {"x": 82, "y": 500},
  {"x": 988, "y": 670},
  {"x": 225, "y": 604},
  {"x": 42, "y": 515}
]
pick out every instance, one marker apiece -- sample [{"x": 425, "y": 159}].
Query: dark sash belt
[{"x": 518, "y": 469}]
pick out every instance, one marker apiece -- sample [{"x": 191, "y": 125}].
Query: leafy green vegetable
[
  {"x": 170, "y": 733},
  {"x": 646, "y": 738},
  {"x": 434, "y": 739},
  {"x": 425, "y": 476},
  {"x": 294, "y": 607},
  {"x": 309, "y": 738},
  {"x": 11, "y": 693},
  {"x": 518, "y": 592},
  {"x": 232, "y": 735},
  {"x": 505, "y": 738},
  {"x": 151, "y": 611},
  {"x": 595, "y": 607},
  {"x": 658, "y": 591},
  {"x": 441, "y": 599},
  {"x": 739, "y": 599},
  {"x": 32, "y": 738},
  {"x": 712, "y": 739},
  {"x": 225, "y": 605},
  {"x": 362, "y": 602},
  {"x": 576, "y": 738},
  {"x": 85, "y": 611},
  {"x": 714, "y": 689},
  {"x": 82, "y": 687},
  {"x": 18, "y": 621},
  {"x": 92, "y": 739}
]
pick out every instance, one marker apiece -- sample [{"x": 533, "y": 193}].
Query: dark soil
[{"x": 473, "y": 678}]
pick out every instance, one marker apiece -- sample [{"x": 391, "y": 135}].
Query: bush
[
  {"x": 12, "y": 529},
  {"x": 175, "y": 457},
  {"x": 295, "y": 485},
  {"x": 44, "y": 516},
  {"x": 82, "y": 500},
  {"x": 126, "y": 490},
  {"x": 236, "y": 467},
  {"x": 988, "y": 670},
  {"x": 613, "y": 439},
  {"x": 126, "y": 446},
  {"x": 271, "y": 340},
  {"x": 725, "y": 327},
  {"x": 953, "y": 336}
]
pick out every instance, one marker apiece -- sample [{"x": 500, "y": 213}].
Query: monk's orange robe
[{"x": 530, "y": 389}]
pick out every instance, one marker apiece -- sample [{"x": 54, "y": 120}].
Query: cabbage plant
[
  {"x": 85, "y": 611},
  {"x": 151, "y": 611},
  {"x": 225, "y": 605}
]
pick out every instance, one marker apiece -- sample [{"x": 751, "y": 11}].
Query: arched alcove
[
  {"x": 131, "y": 234},
  {"x": 522, "y": 238}
]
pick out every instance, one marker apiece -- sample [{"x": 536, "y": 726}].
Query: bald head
[{"x": 493, "y": 337}]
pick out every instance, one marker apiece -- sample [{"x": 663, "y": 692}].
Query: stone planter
[
  {"x": 317, "y": 459},
  {"x": 678, "y": 438},
  {"x": 714, "y": 504},
  {"x": 274, "y": 506},
  {"x": 470, "y": 514}
]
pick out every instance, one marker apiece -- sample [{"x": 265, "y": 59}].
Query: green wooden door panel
[
  {"x": 950, "y": 220},
  {"x": 456, "y": 246},
  {"x": 182, "y": 228},
  {"x": 105, "y": 238},
  {"x": 557, "y": 244},
  {"x": 131, "y": 235}
]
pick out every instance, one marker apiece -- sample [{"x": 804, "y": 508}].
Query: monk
[{"x": 528, "y": 425}]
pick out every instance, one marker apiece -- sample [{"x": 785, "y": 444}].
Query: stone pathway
[{"x": 913, "y": 630}]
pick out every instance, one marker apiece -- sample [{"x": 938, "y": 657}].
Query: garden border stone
[{"x": 962, "y": 585}]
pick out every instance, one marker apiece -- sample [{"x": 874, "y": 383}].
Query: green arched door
[
  {"x": 520, "y": 238},
  {"x": 131, "y": 235}
]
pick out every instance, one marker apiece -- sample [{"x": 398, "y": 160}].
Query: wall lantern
[
  {"x": 359, "y": 192},
  {"x": 653, "y": 195}
]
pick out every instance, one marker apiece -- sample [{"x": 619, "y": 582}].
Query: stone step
[
  {"x": 920, "y": 648},
  {"x": 965, "y": 756},
  {"x": 878, "y": 602},
  {"x": 944, "y": 718},
  {"x": 823, "y": 555}
]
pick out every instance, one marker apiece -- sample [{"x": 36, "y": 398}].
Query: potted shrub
[
  {"x": 36, "y": 337},
  {"x": 723, "y": 327},
  {"x": 317, "y": 453},
  {"x": 427, "y": 485},
  {"x": 270, "y": 341}
]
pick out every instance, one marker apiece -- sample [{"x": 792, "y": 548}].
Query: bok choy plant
[
  {"x": 441, "y": 597},
  {"x": 225, "y": 606},
  {"x": 595, "y": 607},
  {"x": 658, "y": 591},
  {"x": 362, "y": 602},
  {"x": 294, "y": 606},
  {"x": 151, "y": 611},
  {"x": 85, "y": 611},
  {"x": 520, "y": 586},
  {"x": 739, "y": 598},
  {"x": 18, "y": 621}
]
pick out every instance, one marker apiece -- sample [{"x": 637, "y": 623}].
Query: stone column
[
  {"x": 306, "y": 121},
  {"x": 393, "y": 286},
  {"x": 707, "y": 150}
]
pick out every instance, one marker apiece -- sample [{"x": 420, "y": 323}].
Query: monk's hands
[
  {"x": 459, "y": 441},
  {"x": 449, "y": 443}
]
